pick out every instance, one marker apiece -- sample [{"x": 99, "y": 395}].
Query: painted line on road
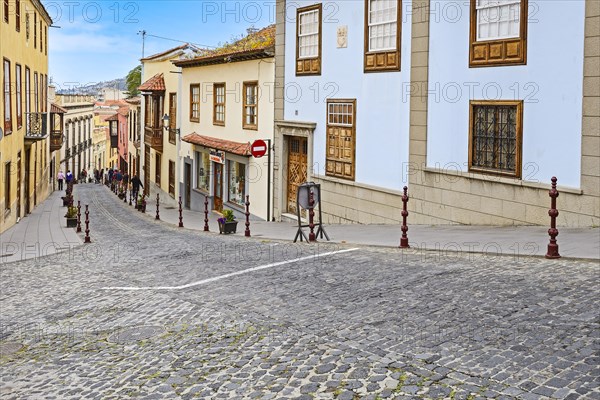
[{"x": 220, "y": 277}]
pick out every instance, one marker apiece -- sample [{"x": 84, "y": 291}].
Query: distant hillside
[{"x": 94, "y": 88}]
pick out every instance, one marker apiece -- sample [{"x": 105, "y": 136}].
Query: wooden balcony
[
  {"x": 56, "y": 140},
  {"x": 36, "y": 125},
  {"x": 154, "y": 138}
]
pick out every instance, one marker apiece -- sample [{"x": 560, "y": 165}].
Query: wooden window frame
[
  {"x": 192, "y": 118},
  {"x": 328, "y": 125},
  {"x": 6, "y": 90},
  {"x": 383, "y": 60},
  {"x": 217, "y": 104},
  {"x": 35, "y": 30},
  {"x": 309, "y": 66},
  {"x": 27, "y": 90},
  {"x": 244, "y": 105},
  {"x": 18, "y": 15},
  {"x": 519, "y": 137},
  {"x": 172, "y": 117},
  {"x": 6, "y": 11},
  {"x": 498, "y": 52},
  {"x": 19, "y": 94},
  {"x": 45, "y": 40},
  {"x": 172, "y": 178}
]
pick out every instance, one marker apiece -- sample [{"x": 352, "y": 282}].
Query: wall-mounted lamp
[{"x": 166, "y": 125}]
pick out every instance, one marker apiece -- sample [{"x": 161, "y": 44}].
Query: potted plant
[
  {"x": 227, "y": 223},
  {"x": 71, "y": 217},
  {"x": 141, "y": 203},
  {"x": 121, "y": 193}
]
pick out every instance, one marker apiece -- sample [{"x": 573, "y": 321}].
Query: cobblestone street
[{"x": 152, "y": 311}]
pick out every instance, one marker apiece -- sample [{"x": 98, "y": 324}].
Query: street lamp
[{"x": 166, "y": 125}]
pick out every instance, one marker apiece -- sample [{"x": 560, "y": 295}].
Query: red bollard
[
  {"x": 130, "y": 197},
  {"x": 157, "y": 215},
  {"x": 205, "y": 213},
  {"x": 87, "y": 225},
  {"x": 247, "y": 232},
  {"x": 125, "y": 197},
  {"x": 553, "y": 213},
  {"x": 180, "y": 214},
  {"x": 404, "y": 239},
  {"x": 78, "y": 216},
  {"x": 311, "y": 215}
]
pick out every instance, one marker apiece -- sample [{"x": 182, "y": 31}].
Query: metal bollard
[
  {"x": 311, "y": 215},
  {"x": 553, "y": 213},
  {"x": 157, "y": 215},
  {"x": 206, "y": 214},
  {"x": 247, "y": 232},
  {"x": 78, "y": 216},
  {"x": 180, "y": 214},
  {"x": 87, "y": 225},
  {"x": 404, "y": 239}
]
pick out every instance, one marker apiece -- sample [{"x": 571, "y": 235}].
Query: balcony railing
[
  {"x": 36, "y": 126},
  {"x": 154, "y": 138},
  {"x": 56, "y": 140},
  {"x": 73, "y": 150},
  {"x": 67, "y": 153}
]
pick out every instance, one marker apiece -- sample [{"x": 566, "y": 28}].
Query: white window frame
[
  {"x": 304, "y": 36},
  {"x": 391, "y": 7},
  {"x": 490, "y": 11}
]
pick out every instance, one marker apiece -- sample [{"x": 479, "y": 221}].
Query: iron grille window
[{"x": 496, "y": 132}]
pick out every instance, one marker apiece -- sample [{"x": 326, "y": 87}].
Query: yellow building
[{"x": 28, "y": 137}]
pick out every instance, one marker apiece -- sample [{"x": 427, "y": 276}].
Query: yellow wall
[{"x": 18, "y": 49}]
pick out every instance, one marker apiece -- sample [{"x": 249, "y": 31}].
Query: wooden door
[
  {"x": 27, "y": 179},
  {"x": 218, "y": 186},
  {"x": 188, "y": 184},
  {"x": 19, "y": 185},
  {"x": 297, "y": 168},
  {"x": 147, "y": 170}
]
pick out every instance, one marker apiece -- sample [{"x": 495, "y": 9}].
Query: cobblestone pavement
[{"x": 364, "y": 323}]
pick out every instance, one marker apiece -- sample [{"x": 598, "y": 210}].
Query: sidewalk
[
  {"x": 583, "y": 243},
  {"x": 41, "y": 233}
]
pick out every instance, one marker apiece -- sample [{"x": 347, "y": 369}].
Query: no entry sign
[{"x": 258, "y": 148}]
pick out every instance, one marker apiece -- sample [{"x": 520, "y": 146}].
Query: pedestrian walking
[
  {"x": 69, "y": 177},
  {"x": 135, "y": 186},
  {"x": 61, "y": 178}
]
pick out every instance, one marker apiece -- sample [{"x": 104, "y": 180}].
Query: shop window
[
  {"x": 498, "y": 33},
  {"x": 382, "y": 35},
  {"x": 308, "y": 40},
  {"x": 237, "y": 183},
  {"x": 495, "y": 137},
  {"x": 203, "y": 171}
]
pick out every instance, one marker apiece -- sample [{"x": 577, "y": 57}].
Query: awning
[
  {"x": 154, "y": 84},
  {"x": 229, "y": 146},
  {"x": 56, "y": 109}
]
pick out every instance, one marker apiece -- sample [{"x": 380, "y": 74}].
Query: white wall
[
  {"x": 550, "y": 85},
  {"x": 382, "y": 118}
]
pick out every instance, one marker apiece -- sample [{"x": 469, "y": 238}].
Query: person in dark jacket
[{"x": 135, "y": 186}]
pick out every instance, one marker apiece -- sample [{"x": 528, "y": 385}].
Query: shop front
[{"x": 221, "y": 170}]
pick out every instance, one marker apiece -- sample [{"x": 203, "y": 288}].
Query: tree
[{"x": 133, "y": 81}]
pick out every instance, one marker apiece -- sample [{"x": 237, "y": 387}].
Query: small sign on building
[
  {"x": 342, "y": 36},
  {"x": 217, "y": 156}
]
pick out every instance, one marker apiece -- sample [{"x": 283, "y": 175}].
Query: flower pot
[
  {"x": 72, "y": 222},
  {"x": 227, "y": 227}
]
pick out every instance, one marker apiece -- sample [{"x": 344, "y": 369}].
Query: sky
[{"x": 100, "y": 40}]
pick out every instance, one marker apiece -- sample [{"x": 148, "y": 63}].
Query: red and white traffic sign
[{"x": 258, "y": 148}]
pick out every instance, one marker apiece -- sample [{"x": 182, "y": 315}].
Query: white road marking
[{"x": 220, "y": 277}]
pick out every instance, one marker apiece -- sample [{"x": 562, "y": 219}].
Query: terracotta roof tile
[
  {"x": 56, "y": 109},
  {"x": 114, "y": 117},
  {"x": 154, "y": 84},
  {"x": 242, "y": 149}
]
